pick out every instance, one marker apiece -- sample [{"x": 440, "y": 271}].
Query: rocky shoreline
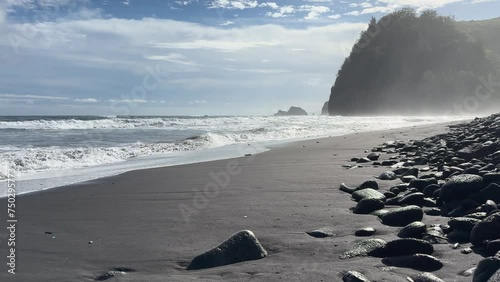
[{"x": 453, "y": 175}]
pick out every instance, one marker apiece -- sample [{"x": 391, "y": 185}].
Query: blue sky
[{"x": 186, "y": 57}]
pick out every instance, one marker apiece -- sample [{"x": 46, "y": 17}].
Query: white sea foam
[{"x": 213, "y": 132}]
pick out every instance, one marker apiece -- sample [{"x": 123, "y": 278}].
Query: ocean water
[{"x": 52, "y": 151}]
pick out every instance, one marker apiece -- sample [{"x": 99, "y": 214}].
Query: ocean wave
[{"x": 207, "y": 133}]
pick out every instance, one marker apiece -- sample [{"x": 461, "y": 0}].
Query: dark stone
[
  {"x": 412, "y": 171},
  {"x": 413, "y": 230},
  {"x": 365, "y": 232},
  {"x": 241, "y": 246},
  {"x": 402, "y": 216},
  {"x": 491, "y": 192},
  {"x": 368, "y": 184},
  {"x": 412, "y": 199},
  {"x": 463, "y": 223},
  {"x": 460, "y": 186},
  {"x": 363, "y": 248},
  {"x": 405, "y": 246},
  {"x": 321, "y": 232},
  {"x": 367, "y": 193},
  {"x": 491, "y": 177},
  {"x": 488, "y": 229},
  {"x": 426, "y": 277},
  {"x": 368, "y": 205},
  {"x": 373, "y": 156},
  {"x": 493, "y": 246},
  {"x": 420, "y": 184},
  {"x": 430, "y": 189},
  {"x": 420, "y": 262},
  {"x": 346, "y": 188},
  {"x": 354, "y": 276},
  {"x": 486, "y": 268},
  {"x": 433, "y": 212},
  {"x": 388, "y": 175}
]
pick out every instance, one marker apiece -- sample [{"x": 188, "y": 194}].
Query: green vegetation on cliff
[{"x": 409, "y": 63}]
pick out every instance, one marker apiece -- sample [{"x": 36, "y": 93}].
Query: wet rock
[
  {"x": 420, "y": 262},
  {"x": 430, "y": 189},
  {"x": 388, "y": 175},
  {"x": 402, "y": 216},
  {"x": 412, "y": 199},
  {"x": 433, "y": 212},
  {"x": 488, "y": 229},
  {"x": 368, "y": 205},
  {"x": 493, "y": 246},
  {"x": 461, "y": 186},
  {"x": 367, "y": 193},
  {"x": 413, "y": 230},
  {"x": 368, "y": 184},
  {"x": 491, "y": 192},
  {"x": 347, "y": 189},
  {"x": 241, "y": 246},
  {"x": 411, "y": 172},
  {"x": 373, "y": 156},
  {"x": 322, "y": 232},
  {"x": 354, "y": 276},
  {"x": 363, "y": 160},
  {"x": 405, "y": 246},
  {"x": 421, "y": 183},
  {"x": 486, "y": 269},
  {"x": 365, "y": 232},
  {"x": 363, "y": 248},
  {"x": 426, "y": 277},
  {"x": 463, "y": 223}
]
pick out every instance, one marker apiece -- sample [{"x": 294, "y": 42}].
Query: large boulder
[
  {"x": 486, "y": 268},
  {"x": 488, "y": 229},
  {"x": 241, "y": 246},
  {"x": 460, "y": 186}
]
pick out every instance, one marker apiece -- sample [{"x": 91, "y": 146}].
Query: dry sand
[{"x": 134, "y": 220}]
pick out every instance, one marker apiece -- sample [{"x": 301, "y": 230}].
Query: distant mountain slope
[{"x": 407, "y": 63}]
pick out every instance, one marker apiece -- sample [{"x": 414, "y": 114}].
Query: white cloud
[
  {"x": 283, "y": 11},
  {"x": 86, "y": 100},
  {"x": 227, "y": 60},
  {"x": 334, "y": 17},
  {"x": 314, "y": 11},
  {"x": 31, "y": 97},
  {"x": 237, "y": 4},
  {"x": 226, "y": 23}
]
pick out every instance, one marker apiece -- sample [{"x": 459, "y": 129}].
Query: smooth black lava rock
[
  {"x": 373, "y": 156},
  {"x": 365, "y": 232},
  {"x": 241, "y": 246},
  {"x": 404, "y": 246},
  {"x": 463, "y": 223},
  {"x": 402, "y": 216},
  {"x": 388, "y": 175},
  {"x": 363, "y": 248},
  {"x": 368, "y": 184},
  {"x": 486, "y": 269},
  {"x": 354, "y": 276},
  {"x": 420, "y": 262},
  {"x": 430, "y": 189},
  {"x": 420, "y": 184},
  {"x": 322, "y": 232},
  {"x": 413, "y": 230},
  {"x": 426, "y": 277},
  {"x": 493, "y": 246},
  {"x": 412, "y": 199},
  {"x": 368, "y": 193},
  {"x": 368, "y": 205},
  {"x": 491, "y": 192},
  {"x": 461, "y": 186},
  {"x": 488, "y": 229}
]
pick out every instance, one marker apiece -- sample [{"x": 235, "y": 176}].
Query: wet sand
[{"x": 135, "y": 222}]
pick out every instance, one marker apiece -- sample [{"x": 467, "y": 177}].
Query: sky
[{"x": 185, "y": 57}]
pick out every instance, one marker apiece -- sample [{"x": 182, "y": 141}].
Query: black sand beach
[{"x": 132, "y": 221}]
